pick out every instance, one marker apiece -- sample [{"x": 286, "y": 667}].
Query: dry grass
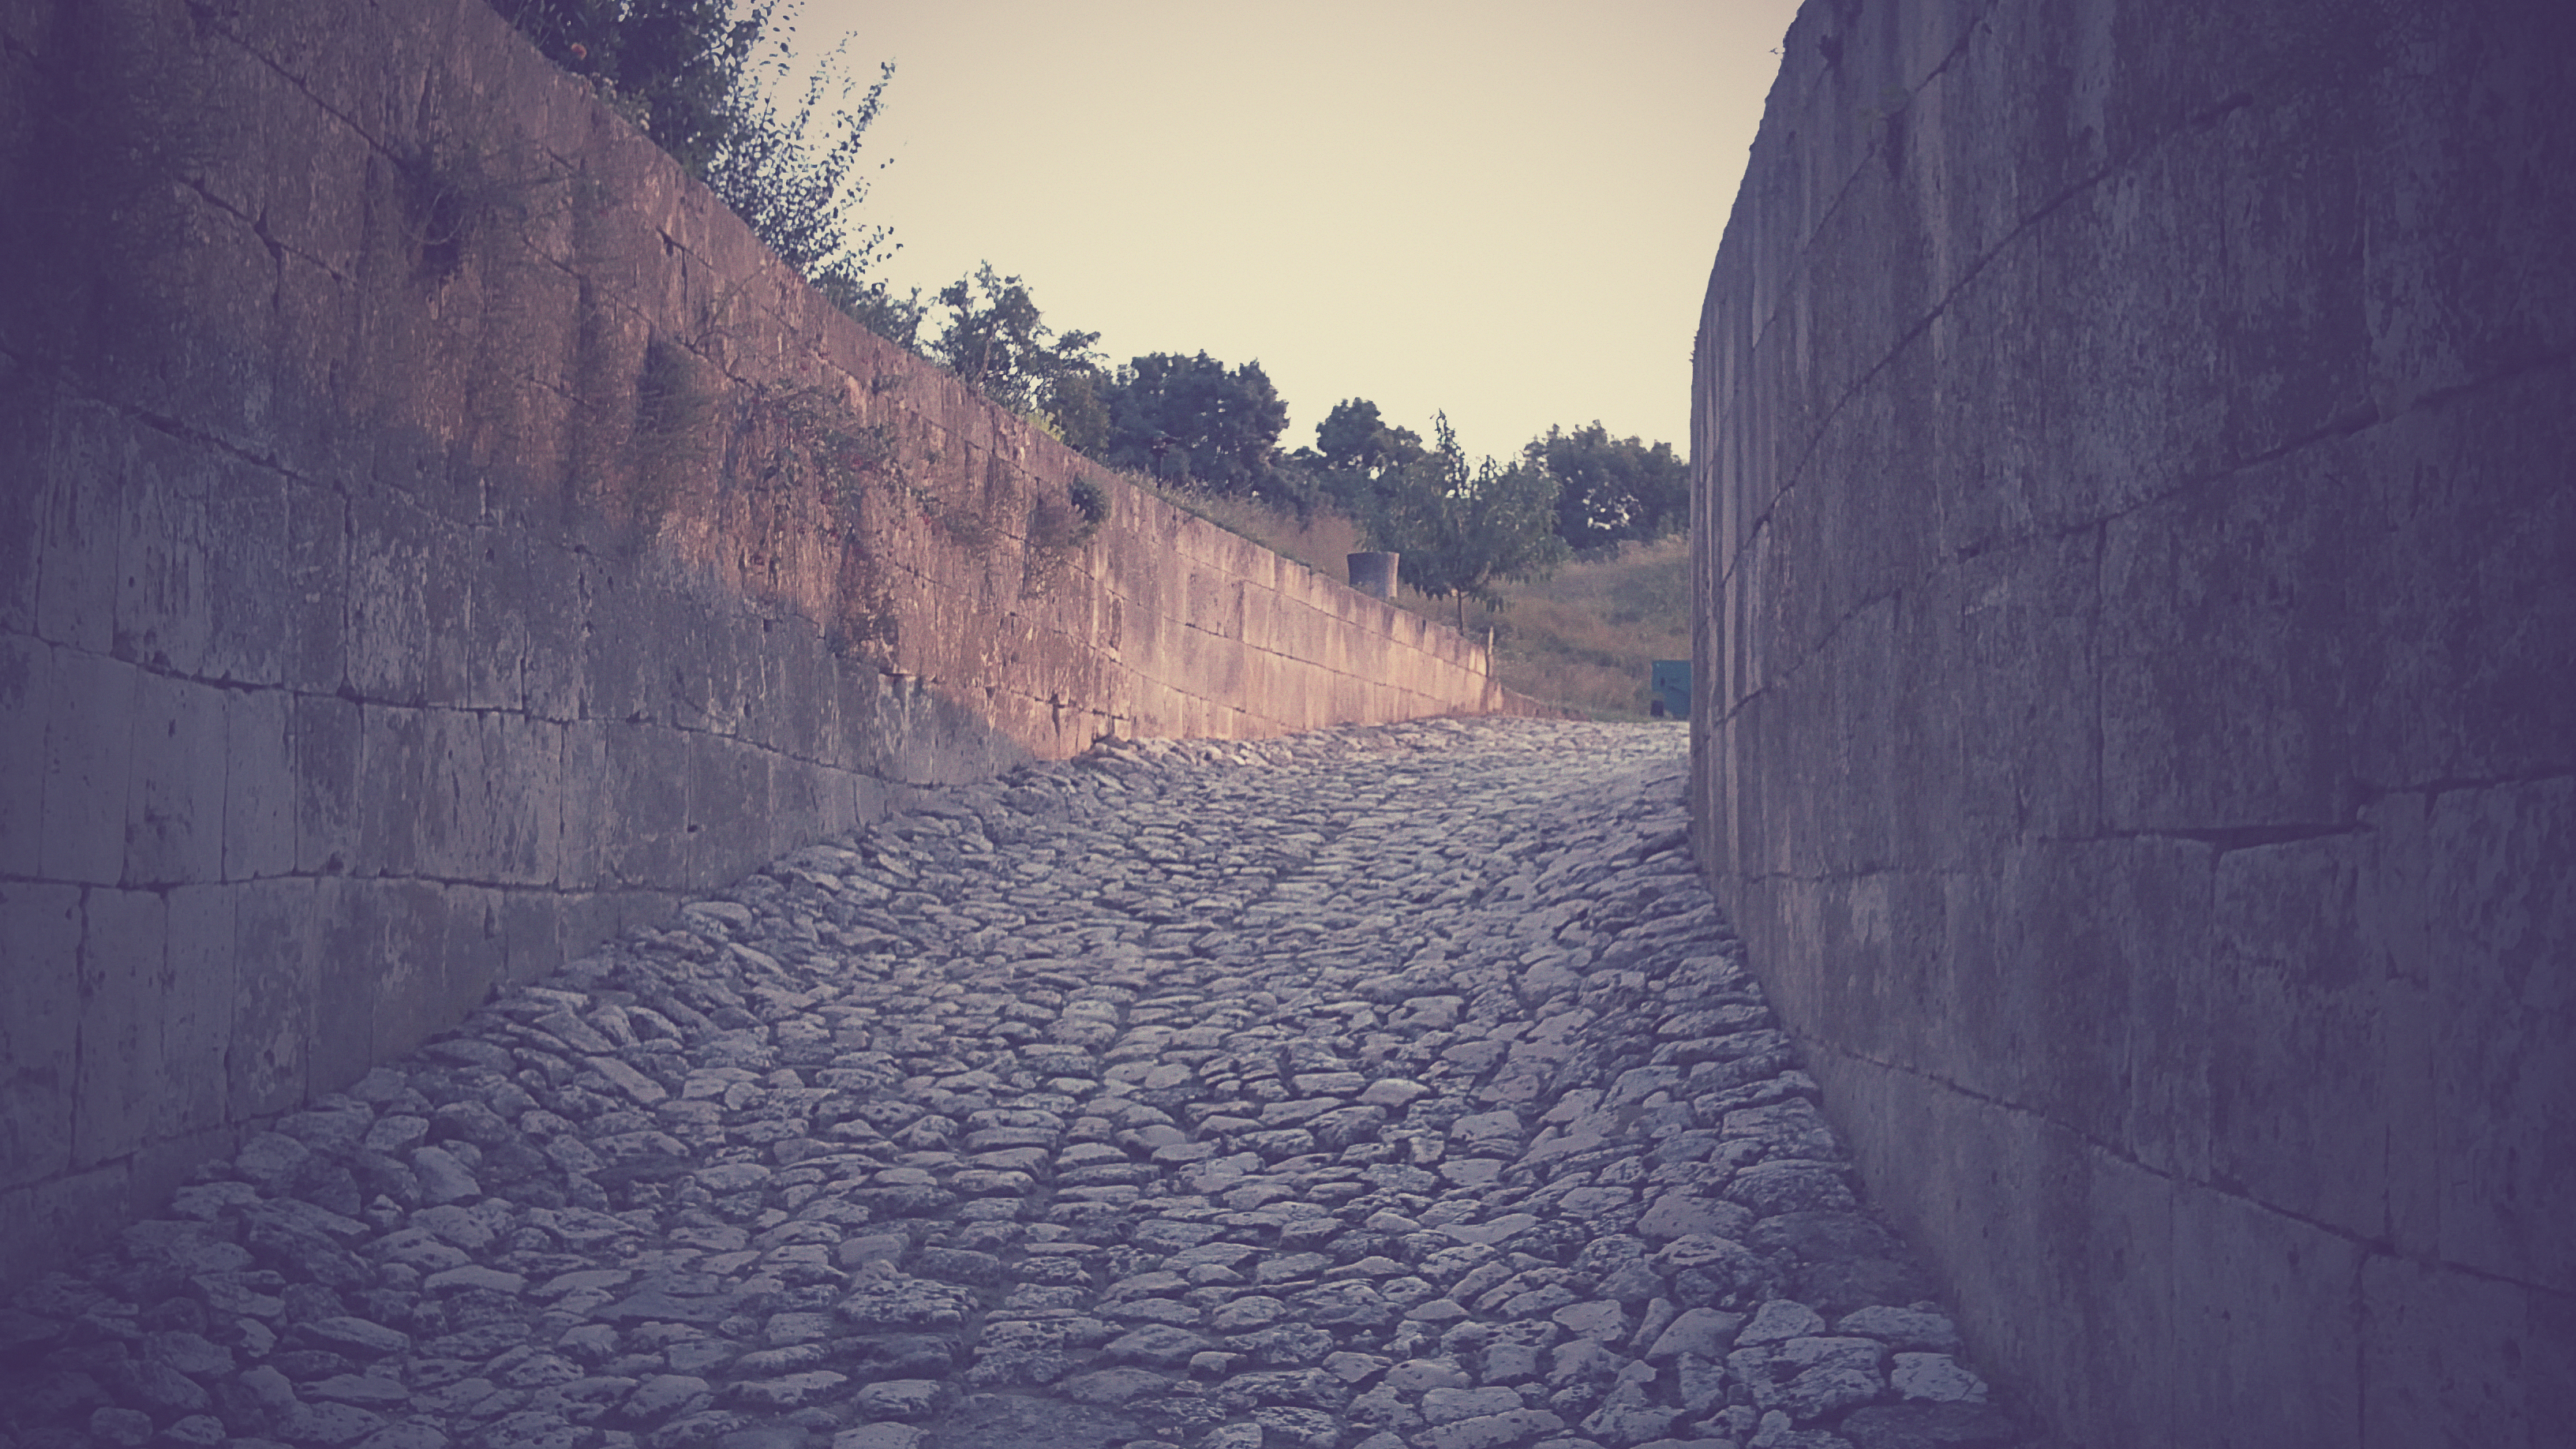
[
  {"x": 1586, "y": 637},
  {"x": 1323, "y": 543},
  {"x": 1583, "y": 638}
]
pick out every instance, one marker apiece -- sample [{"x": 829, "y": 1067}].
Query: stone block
[
  {"x": 390, "y": 976},
  {"x": 46, "y": 1223},
  {"x": 26, "y": 703},
  {"x": 728, "y": 805},
  {"x": 534, "y": 934},
  {"x": 2300, "y": 1091},
  {"x": 2465, "y": 634},
  {"x": 326, "y": 751},
  {"x": 472, "y": 795},
  {"x": 618, "y": 659},
  {"x": 2463, "y": 260},
  {"x": 82, "y": 493},
  {"x": 2010, "y": 693},
  {"x": 646, "y": 828},
  {"x": 548, "y": 593},
  {"x": 253, "y": 595},
  {"x": 87, "y": 765},
  {"x": 189, "y": 1082},
  {"x": 314, "y": 591},
  {"x": 124, "y": 964},
  {"x": 474, "y": 930},
  {"x": 259, "y": 784},
  {"x": 2452, "y": 1356},
  {"x": 275, "y": 931},
  {"x": 24, "y": 454},
  {"x": 508, "y": 601},
  {"x": 165, "y": 556},
  {"x": 40, "y": 950},
  {"x": 2502, "y": 927},
  {"x": 703, "y": 664},
  {"x": 2267, "y": 1324},
  {"x": 211, "y": 376},
  {"x": 399, "y": 791},
  {"x": 407, "y": 607},
  {"x": 2224, "y": 705},
  {"x": 174, "y": 797}
]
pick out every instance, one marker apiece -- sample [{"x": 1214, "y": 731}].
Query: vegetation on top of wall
[
  {"x": 712, "y": 85},
  {"x": 715, "y": 86}
]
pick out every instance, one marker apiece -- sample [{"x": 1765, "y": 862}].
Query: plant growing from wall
[
  {"x": 715, "y": 85},
  {"x": 1059, "y": 525},
  {"x": 807, "y": 439},
  {"x": 996, "y": 340},
  {"x": 675, "y": 416},
  {"x": 456, "y": 193}
]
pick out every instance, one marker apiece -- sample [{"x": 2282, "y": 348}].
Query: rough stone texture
[
  {"x": 437, "y": 535},
  {"x": 1000, "y": 1124},
  {"x": 2137, "y": 602}
]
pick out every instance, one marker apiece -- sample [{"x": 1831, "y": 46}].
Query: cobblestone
[{"x": 1386, "y": 1088}]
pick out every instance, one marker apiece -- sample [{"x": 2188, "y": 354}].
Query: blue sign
[{"x": 1668, "y": 688}]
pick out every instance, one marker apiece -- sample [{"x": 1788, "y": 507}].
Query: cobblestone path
[{"x": 1387, "y": 1088}]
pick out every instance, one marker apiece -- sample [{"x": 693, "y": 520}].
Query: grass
[
  {"x": 1585, "y": 637},
  {"x": 1323, "y": 542},
  {"x": 1582, "y": 638}
]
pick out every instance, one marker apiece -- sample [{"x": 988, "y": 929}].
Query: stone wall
[
  {"x": 2136, "y": 730},
  {"x": 435, "y": 533}
]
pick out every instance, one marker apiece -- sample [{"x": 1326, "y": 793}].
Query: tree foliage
[
  {"x": 1355, "y": 439},
  {"x": 1464, "y": 530},
  {"x": 997, "y": 340},
  {"x": 1612, "y": 490},
  {"x": 1196, "y": 422},
  {"x": 1358, "y": 462},
  {"x": 673, "y": 65},
  {"x": 794, "y": 172},
  {"x": 714, "y": 85}
]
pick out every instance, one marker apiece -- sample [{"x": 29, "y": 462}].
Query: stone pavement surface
[{"x": 1381, "y": 1088}]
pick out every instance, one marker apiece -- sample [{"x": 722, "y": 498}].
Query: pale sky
[{"x": 1506, "y": 210}]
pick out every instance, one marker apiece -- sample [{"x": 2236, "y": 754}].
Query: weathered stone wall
[
  {"x": 2136, "y": 728},
  {"x": 433, "y": 533}
]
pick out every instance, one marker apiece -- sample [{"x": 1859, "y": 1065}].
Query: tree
[
  {"x": 996, "y": 340},
  {"x": 1196, "y": 421},
  {"x": 1612, "y": 490},
  {"x": 1463, "y": 531},
  {"x": 695, "y": 76},
  {"x": 673, "y": 65},
  {"x": 1077, "y": 402},
  {"x": 793, "y": 173},
  {"x": 1355, "y": 438},
  {"x": 1358, "y": 459}
]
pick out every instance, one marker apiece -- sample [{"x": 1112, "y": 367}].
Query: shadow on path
[{"x": 1372, "y": 1089}]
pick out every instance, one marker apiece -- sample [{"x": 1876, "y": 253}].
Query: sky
[{"x": 1504, "y": 210}]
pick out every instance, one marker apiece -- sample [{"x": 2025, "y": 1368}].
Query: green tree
[
  {"x": 674, "y": 65},
  {"x": 712, "y": 84},
  {"x": 1354, "y": 438},
  {"x": 1358, "y": 460},
  {"x": 1464, "y": 530},
  {"x": 1198, "y": 422},
  {"x": 1612, "y": 490},
  {"x": 1077, "y": 402},
  {"x": 794, "y": 173},
  {"x": 996, "y": 339}
]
